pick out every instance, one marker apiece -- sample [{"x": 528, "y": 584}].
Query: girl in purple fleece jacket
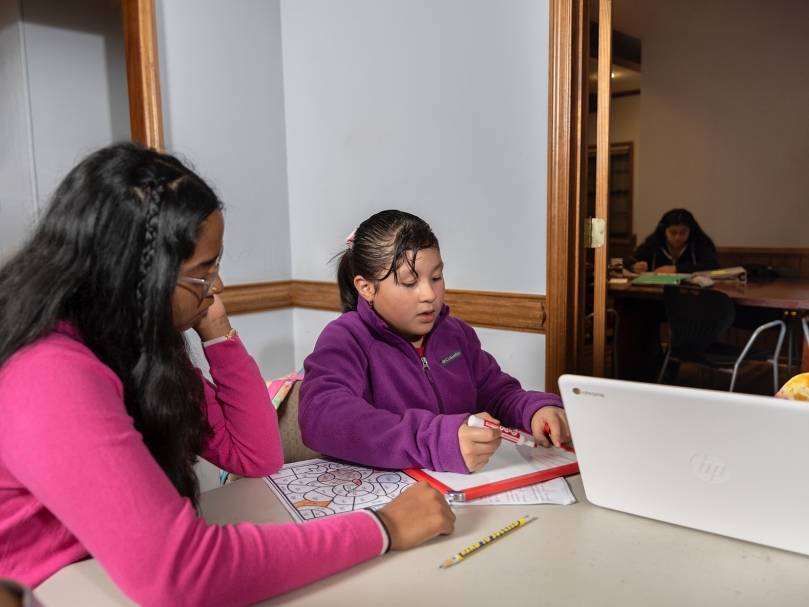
[{"x": 392, "y": 382}]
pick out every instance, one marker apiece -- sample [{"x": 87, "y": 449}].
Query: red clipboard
[{"x": 483, "y": 490}]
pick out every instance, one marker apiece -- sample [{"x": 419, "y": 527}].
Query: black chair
[{"x": 697, "y": 317}]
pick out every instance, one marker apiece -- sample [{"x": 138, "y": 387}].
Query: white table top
[{"x": 572, "y": 555}]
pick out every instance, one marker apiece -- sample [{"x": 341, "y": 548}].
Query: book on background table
[
  {"x": 736, "y": 274},
  {"x": 510, "y": 467},
  {"x": 705, "y": 278},
  {"x": 660, "y": 279}
]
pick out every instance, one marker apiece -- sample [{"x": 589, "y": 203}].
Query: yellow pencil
[{"x": 486, "y": 541}]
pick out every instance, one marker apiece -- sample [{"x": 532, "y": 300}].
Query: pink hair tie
[{"x": 350, "y": 240}]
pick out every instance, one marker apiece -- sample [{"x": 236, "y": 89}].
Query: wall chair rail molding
[{"x": 505, "y": 311}]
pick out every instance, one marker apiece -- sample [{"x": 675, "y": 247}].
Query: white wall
[
  {"x": 437, "y": 108},
  {"x": 63, "y": 94},
  {"x": 223, "y": 110},
  {"x": 308, "y": 325},
  {"x": 77, "y": 83},
  {"x": 724, "y": 120},
  {"x": 17, "y": 199}
]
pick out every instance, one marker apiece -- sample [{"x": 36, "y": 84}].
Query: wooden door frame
[
  {"x": 568, "y": 98},
  {"x": 600, "y": 274},
  {"x": 143, "y": 72}
]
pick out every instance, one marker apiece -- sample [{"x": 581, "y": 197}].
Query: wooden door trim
[
  {"x": 602, "y": 183},
  {"x": 568, "y": 100},
  {"x": 143, "y": 72}
]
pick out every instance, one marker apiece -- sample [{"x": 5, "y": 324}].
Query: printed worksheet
[
  {"x": 555, "y": 491},
  {"x": 320, "y": 487}
]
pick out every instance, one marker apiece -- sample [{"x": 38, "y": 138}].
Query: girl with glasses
[{"x": 104, "y": 415}]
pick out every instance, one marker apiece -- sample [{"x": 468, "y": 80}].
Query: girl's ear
[{"x": 365, "y": 288}]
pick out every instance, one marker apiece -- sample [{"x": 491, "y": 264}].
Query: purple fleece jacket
[{"x": 367, "y": 397}]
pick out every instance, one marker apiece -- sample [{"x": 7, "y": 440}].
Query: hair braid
[{"x": 147, "y": 254}]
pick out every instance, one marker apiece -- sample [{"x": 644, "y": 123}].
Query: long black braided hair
[{"x": 106, "y": 257}]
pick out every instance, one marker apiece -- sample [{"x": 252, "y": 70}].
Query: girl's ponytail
[{"x": 345, "y": 280}]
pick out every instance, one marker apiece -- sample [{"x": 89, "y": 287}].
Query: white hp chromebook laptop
[{"x": 732, "y": 464}]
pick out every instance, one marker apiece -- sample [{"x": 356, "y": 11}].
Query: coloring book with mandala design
[{"x": 321, "y": 487}]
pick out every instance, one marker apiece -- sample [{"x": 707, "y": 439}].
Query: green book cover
[{"x": 660, "y": 279}]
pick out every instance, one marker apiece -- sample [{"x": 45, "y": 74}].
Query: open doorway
[
  {"x": 720, "y": 125},
  {"x": 624, "y": 146}
]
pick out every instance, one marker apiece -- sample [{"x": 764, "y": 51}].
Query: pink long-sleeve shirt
[{"x": 76, "y": 480}]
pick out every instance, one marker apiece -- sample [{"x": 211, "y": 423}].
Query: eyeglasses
[{"x": 208, "y": 281}]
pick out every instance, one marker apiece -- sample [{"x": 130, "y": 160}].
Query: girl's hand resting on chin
[{"x": 215, "y": 323}]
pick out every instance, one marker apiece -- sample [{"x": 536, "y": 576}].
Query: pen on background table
[
  {"x": 486, "y": 541},
  {"x": 509, "y": 434}
]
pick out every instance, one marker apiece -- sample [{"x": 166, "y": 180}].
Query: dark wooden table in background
[{"x": 641, "y": 311}]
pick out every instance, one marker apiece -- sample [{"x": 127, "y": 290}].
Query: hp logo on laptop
[{"x": 710, "y": 469}]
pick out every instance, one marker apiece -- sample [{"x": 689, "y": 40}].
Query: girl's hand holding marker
[
  {"x": 509, "y": 434},
  {"x": 484, "y": 420},
  {"x": 549, "y": 427},
  {"x": 479, "y": 442}
]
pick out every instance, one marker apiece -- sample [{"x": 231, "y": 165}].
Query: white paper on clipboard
[{"x": 508, "y": 462}]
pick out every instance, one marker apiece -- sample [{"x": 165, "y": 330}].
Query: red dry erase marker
[{"x": 509, "y": 434}]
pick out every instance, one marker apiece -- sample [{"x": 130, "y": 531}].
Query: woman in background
[{"x": 677, "y": 245}]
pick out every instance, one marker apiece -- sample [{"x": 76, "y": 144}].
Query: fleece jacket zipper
[{"x": 426, "y": 368}]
